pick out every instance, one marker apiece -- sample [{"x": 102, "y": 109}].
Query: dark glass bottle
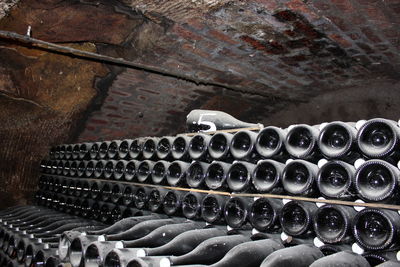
[
  {"x": 156, "y": 199},
  {"x": 90, "y": 167},
  {"x": 109, "y": 168},
  {"x": 73, "y": 168},
  {"x": 164, "y": 147},
  {"x": 332, "y": 223},
  {"x": 264, "y": 215},
  {"x": 377, "y": 180},
  {"x": 68, "y": 152},
  {"x": 113, "y": 149},
  {"x": 106, "y": 191},
  {"x": 191, "y": 205},
  {"x": 129, "y": 195},
  {"x": 239, "y": 176},
  {"x": 150, "y": 148},
  {"x": 195, "y": 175},
  {"x": 335, "y": 180},
  {"x": 172, "y": 203},
  {"x": 236, "y": 211},
  {"x": 141, "y": 197},
  {"x": 297, "y": 218},
  {"x": 215, "y": 177},
  {"x": 270, "y": 143},
  {"x": 298, "y": 178},
  {"x": 159, "y": 172},
  {"x": 144, "y": 170},
  {"x": 299, "y": 256},
  {"x": 212, "y": 208},
  {"x": 243, "y": 145},
  {"x": 376, "y": 229},
  {"x": 379, "y": 138},
  {"x": 176, "y": 173},
  {"x": 131, "y": 169},
  {"x": 209, "y": 251},
  {"x": 267, "y": 176},
  {"x": 338, "y": 140},
  {"x": 136, "y": 148},
  {"x": 84, "y": 150},
  {"x": 343, "y": 258},
  {"x": 219, "y": 146},
  {"x": 119, "y": 169},
  {"x": 117, "y": 193},
  {"x": 123, "y": 149},
  {"x": 249, "y": 254},
  {"x": 199, "y": 120},
  {"x": 198, "y": 146},
  {"x": 99, "y": 168},
  {"x": 94, "y": 150},
  {"x": 180, "y": 147},
  {"x": 76, "y": 149},
  {"x": 301, "y": 142}
]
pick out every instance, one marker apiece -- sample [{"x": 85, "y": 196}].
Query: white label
[
  {"x": 101, "y": 238},
  {"x": 141, "y": 253},
  {"x": 320, "y": 204},
  {"x": 119, "y": 245},
  {"x": 318, "y": 243},
  {"x": 164, "y": 262},
  {"x": 357, "y": 249},
  {"x": 202, "y": 121},
  {"x": 359, "y": 208},
  {"x": 284, "y": 236},
  {"x": 358, "y": 163},
  {"x": 322, "y": 162},
  {"x": 360, "y": 123}
]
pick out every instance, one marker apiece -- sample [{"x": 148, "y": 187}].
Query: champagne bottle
[
  {"x": 119, "y": 169},
  {"x": 344, "y": 258},
  {"x": 117, "y": 192},
  {"x": 191, "y": 205},
  {"x": 131, "y": 169},
  {"x": 109, "y": 169},
  {"x": 379, "y": 138},
  {"x": 219, "y": 146},
  {"x": 301, "y": 141},
  {"x": 264, "y": 215},
  {"x": 164, "y": 147},
  {"x": 215, "y": 177},
  {"x": 172, "y": 203},
  {"x": 176, "y": 173},
  {"x": 113, "y": 148},
  {"x": 90, "y": 168},
  {"x": 129, "y": 195},
  {"x": 183, "y": 243},
  {"x": 84, "y": 151},
  {"x": 335, "y": 180},
  {"x": 249, "y": 254},
  {"x": 136, "y": 148},
  {"x": 99, "y": 168},
  {"x": 195, "y": 175},
  {"x": 105, "y": 192},
  {"x": 160, "y": 236},
  {"x": 377, "y": 180},
  {"x": 123, "y": 149},
  {"x": 236, "y": 211},
  {"x": 209, "y": 251},
  {"x": 180, "y": 147},
  {"x": 299, "y": 256},
  {"x": 94, "y": 150},
  {"x": 212, "y": 208},
  {"x": 297, "y": 218},
  {"x": 156, "y": 198},
  {"x": 298, "y": 178},
  {"x": 243, "y": 145},
  {"x": 144, "y": 171},
  {"x": 239, "y": 176},
  {"x": 141, "y": 197},
  {"x": 159, "y": 172},
  {"x": 150, "y": 148},
  {"x": 376, "y": 229},
  {"x": 73, "y": 168},
  {"x": 337, "y": 140},
  {"x": 270, "y": 143},
  {"x": 198, "y": 146},
  {"x": 267, "y": 176},
  {"x": 76, "y": 149},
  {"x": 332, "y": 223}
]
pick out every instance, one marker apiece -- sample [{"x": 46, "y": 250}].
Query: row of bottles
[
  {"x": 372, "y": 180},
  {"x": 368, "y": 229},
  {"x": 36, "y": 236},
  {"x": 375, "y": 138}
]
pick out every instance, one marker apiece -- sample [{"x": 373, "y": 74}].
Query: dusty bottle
[
  {"x": 335, "y": 180},
  {"x": 237, "y": 210},
  {"x": 377, "y": 180},
  {"x": 267, "y": 176},
  {"x": 344, "y": 258},
  {"x": 164, "y": 147},
  {"x": 219, "y": 146},
  {"x": 198, "y": 146},
  {"x": 243, "y": 145},
  {"x": 150, "y": 148},
  {"x": 332, "y": 223},
  {"x": 172, "y": 203},
  {"x": 200, "y": 120},
  {"x": 297, "y": 218},
  {"x": 159, "y": 172},
  {"x": 123, "y": 149},
  {"x": 264, "y": 215},
  {"x": 270, "y": 143},
  {"x": 212, "y": 208},
  {"x": 119, "y": 169},
  {"x": 195, "y": 174},
  {"x": 131, "y": 170},
  {"x": 338, "y": 140},
  {"x": 180, "y": 147},
  {"x": 376, "y": 229},
  {"x": 301, "y": 141},
  {"x": 136, "y": 148},
  {"x": 156, "y": 199},
  {"x": 144, "y": 170},
  {"x": 300, "y": 255},
  {"x": 191, "y": 205},
  {"x": 215, "y": 177},
  {"x": 239, "y": 176},
  {"x": 176, "y": 173},
  {"x": 298, "y": 178}
]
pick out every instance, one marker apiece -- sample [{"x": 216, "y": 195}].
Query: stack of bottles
[{"x": 302, "y": 196}]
